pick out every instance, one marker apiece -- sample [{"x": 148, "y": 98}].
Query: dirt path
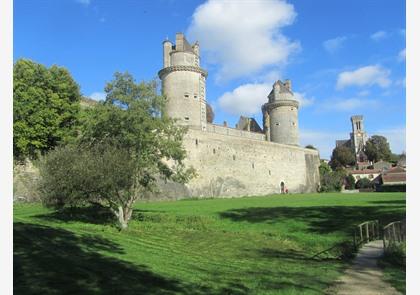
[{"x": 364, "y": 277}]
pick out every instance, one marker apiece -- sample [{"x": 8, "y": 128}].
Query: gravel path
[{"x": 364, "y": 277}]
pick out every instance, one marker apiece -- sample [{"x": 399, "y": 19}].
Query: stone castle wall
[
  {"x": 231, "y": 166},
  {"x": 212, "y": 128}
]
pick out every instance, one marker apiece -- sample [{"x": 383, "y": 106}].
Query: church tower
[
  {"x": 184, "y": 83},
  {"x": 280, "y": 115},
  {"x": 358, "y": 136}
]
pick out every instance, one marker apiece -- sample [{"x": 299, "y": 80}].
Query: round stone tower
[
  {"x": 184, "y": 83},
  {"x": 280, "y": 115}
]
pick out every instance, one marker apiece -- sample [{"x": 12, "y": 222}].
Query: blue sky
[{"x": 343, "y": 57}]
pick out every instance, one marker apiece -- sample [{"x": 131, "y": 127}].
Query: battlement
[{"x": 224, "y": 130}]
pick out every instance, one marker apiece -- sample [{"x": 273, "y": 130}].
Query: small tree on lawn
[
  {"x": 364, "y": 183},
  {"x": 124, "y": 146},
  {"x": 351, "y": 181}
]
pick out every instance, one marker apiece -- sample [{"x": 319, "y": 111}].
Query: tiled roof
[
  {"x": 365, "y": 171},
  {"x": 391, "y": 178}
]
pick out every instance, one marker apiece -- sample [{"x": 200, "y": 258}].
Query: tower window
[
  {"x": 186, "y": 95},
  {"x": 269, "y": 172},
  {"x": 214, "y": 151},
  {"x": 187, "y": 118},
  {"x": 196, "y": 142},
  {"x": 234, "y": 157},
  {"x": 253, "y": 166},
  {"x": 277, "y": 123}
]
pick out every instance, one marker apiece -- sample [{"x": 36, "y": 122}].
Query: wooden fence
[
  {"x": 394, "y": 233},
  {"x": 365, "y": 232}
]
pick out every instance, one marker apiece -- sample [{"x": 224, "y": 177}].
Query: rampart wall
[{"x": 236, "y": 165}]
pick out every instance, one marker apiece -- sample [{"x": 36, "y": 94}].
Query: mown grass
[{"x": 253, "y": 245}]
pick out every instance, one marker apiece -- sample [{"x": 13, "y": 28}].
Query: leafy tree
[
  {"x": 45, "y": 108},
  {"x": 364, "y": 183},
  {"x": 342, "y": 156},
  {"x": 310, "y": 146},
  {"x": 330, "y": 180},
  {"x": 210, "y": 113},
  {"x": 125, "y": 146},
  {"x": 350, "y": 181},
  {"x": 377, "y": 148}
]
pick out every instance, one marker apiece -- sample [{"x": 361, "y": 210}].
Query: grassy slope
[{"x": 259, "y": 245}]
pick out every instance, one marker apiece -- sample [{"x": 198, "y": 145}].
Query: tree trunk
[{"x": 124, "y": 215}]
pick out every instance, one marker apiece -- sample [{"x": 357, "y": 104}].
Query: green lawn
[{"x": 255, "y": 245}]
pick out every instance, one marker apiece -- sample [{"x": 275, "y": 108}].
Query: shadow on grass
[
  {"x": 91, "y": 214},
  {"x": 320, "y": 219},
  {"x": 55, "y": 261}
]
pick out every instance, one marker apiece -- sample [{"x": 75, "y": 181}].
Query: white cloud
[
  {"x": 378, "y": 36},
  {"x": 247, "y": 99},
  {"x": 303, "y": 99},
  {"x": 332, "y": 45},
  {"x": 365, "y": 76},
  {"x": 348, "y": 104},
  {"x": 243, "y": 37},
  {"x": 98, "y": 96},
  {"x": 401, "y": 55},
  {"x": 363, "y": 93},
  {"x": 396, "y": 138}
]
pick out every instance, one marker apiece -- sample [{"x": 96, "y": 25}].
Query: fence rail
[
  {"x": 365, "y": 232},
  {"x": 394, "y": 233}
]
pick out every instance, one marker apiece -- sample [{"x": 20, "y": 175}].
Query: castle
[{"x": 234, "y": 161}]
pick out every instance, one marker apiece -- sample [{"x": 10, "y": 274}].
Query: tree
[
  {"x": 125, "y": 146},
  {"x": 45, "y": 108},
  {"x": 330, "y": 180},
  {"x": 364, "y": 183},
  {"x": 310, "y": 146},
  {"x": 350, "y": 181},
  {"x": 377, "y": 148},
  {"x": 342, "y": 156},
  {"x": 209, "y": 113}
]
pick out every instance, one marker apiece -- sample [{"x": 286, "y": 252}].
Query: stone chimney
[{"x": 288, "y": 85}]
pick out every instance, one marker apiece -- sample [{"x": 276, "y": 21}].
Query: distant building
[
  {"x": 248, "y": 124},
  {"x": 382, "y": 166},
  {"x": 358, "y": 138},
  {"x": 370, "y": 174},
  {"x": 392, "y": 180}
]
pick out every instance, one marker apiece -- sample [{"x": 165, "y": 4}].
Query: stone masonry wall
[{"x": 230, "y": 166}]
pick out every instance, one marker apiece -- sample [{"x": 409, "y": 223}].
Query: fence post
[{"x": 367, "y": 231}]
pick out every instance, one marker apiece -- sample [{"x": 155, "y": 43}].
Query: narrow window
[
  {"x": 186, "y": 95},
  {"x": 214, "y": 151},
  {"x": 234, "y": 157},
  {"x": 253, "y": 166},
  {"x": 269, "y": 172},
  {"x": 277, "y": 124},
  {"x": 196, "y": 142},
  {"x": 187, "y": 118}
]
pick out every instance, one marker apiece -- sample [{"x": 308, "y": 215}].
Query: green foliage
[
  {"x": 330, "y": 180},
  {"x": 45, "y": 108},
  {"x": 77, "y": 176},
  {"x": 364, "y": 183},
  {"x": 377, "y": 148},
  {"x": 123, "y": 148},
  {"x": 310, "y": 146},
  {"x": 166, "y": 248},
  {"x": 342, "y": 156},
  {"x": 350, "y": 181},
  {"x": 393, "y": 263}
]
